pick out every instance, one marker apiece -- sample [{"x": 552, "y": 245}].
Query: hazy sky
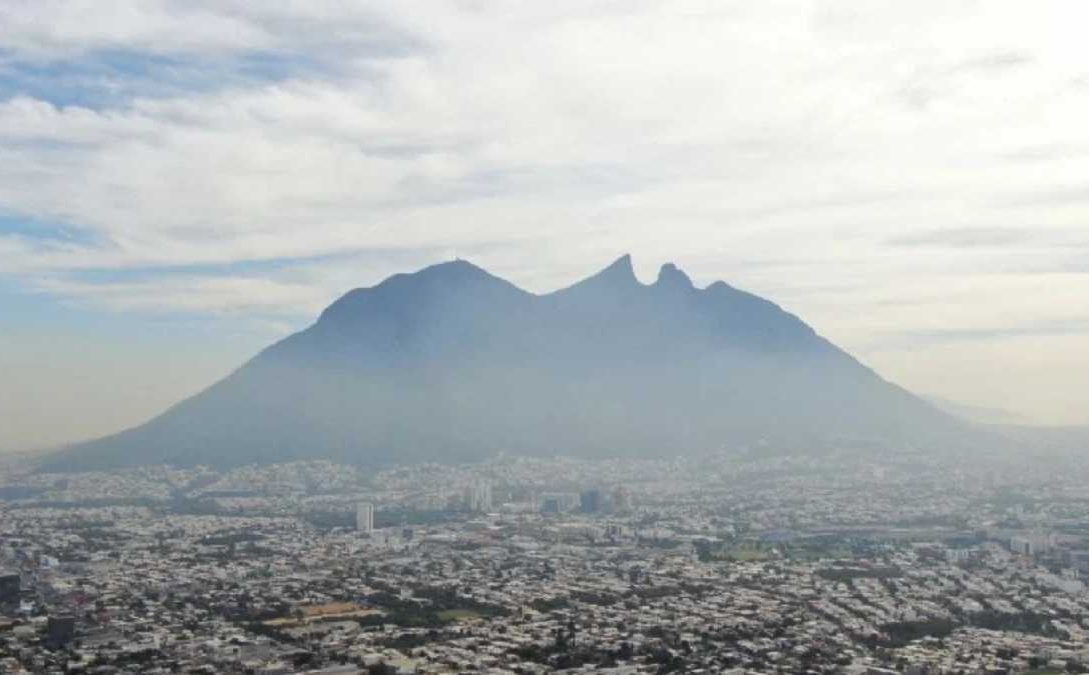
[{"x": 183, "y": 182}]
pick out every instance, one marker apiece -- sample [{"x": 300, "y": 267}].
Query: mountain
[
  {"x": 976, "y": 413},
  {"x": 453, "y": 364}
]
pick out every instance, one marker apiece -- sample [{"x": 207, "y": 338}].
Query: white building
[
  {"x": 364, "y": 517},
  {"x": 478, "y": 497}
]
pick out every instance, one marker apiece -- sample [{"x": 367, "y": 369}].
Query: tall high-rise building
[
  {"x": 621, "y": 500},
  {"x": 10, "y": 585},
  {"x": 592, "y": 501},
  {"x": 364, "y": 517},
  {"x": 559, "y": 502},
  {"x": 550, "y": 504},
  {"x": 478, "y": 497},
  {"x": 60, "y": 630}
]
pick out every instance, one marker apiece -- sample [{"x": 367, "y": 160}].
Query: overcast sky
[{"x": 183, "y": 182}]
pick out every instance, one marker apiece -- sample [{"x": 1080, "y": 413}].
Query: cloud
[
  {"x": 52, "y": 30},
  {"x": 967, "y": 237},
  {"x": 1052, "y": 197},
  {"x": 995, "y": 62},
  {"x": 1060, "y": 327},
  {"x": 255, "y": 296},
  {"x": 1045, "y": 153}
]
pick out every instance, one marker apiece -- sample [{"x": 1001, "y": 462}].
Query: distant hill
[
  {"x": 978, "y": 414},
  {"x": 453, "y": 364},
  {"x": 1034, "y": 441}
]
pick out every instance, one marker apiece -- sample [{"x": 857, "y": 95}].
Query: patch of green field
[
  {"x": 458, "y": 614},
  {"x": 746, "y": 554}
]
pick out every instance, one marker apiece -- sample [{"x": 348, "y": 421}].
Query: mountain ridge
[{"x": 453, "y": 363}]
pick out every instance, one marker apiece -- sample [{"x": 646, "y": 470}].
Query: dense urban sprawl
[{"x": 738, "y": 563}]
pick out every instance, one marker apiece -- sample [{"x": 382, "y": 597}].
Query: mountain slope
[{"x": 452, "y": 363}]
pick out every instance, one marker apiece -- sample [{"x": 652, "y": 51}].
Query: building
[
  {"x": 10, "y": 585},
  {"x": 478, "y": 497},
  {"x": 559, "y": 502},
  {"x": 60, "y": 630},
  {"x": 1079, "y": 560},
  {"x": 364, "y": 517},
  {"x": 621, "y": 500},
  {"x": 592, "y": 501},
  {"x": 1022, "y": 546},
  {"x": 550, "y": 504}
]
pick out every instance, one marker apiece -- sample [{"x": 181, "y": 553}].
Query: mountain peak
[
  {"x": 671, "y": 276},
  {"x": 618, "y": 276},
  {"x": 620, "y": 269},
  {"x": 447, "y": 275},
  {"x": 401, "y": 292},
  {"x": 458, "y": 267}
]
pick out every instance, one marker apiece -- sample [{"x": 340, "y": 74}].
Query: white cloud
[
  {"x": 51, "y": 28},
  {"x": 196, "y": 294}
]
